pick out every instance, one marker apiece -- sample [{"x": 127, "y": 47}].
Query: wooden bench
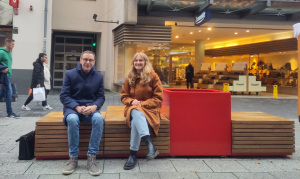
[
  {"x": 257, "y": 133},
  {"x": 117, "y": 134},
  {"x": 51, "y": 139}
]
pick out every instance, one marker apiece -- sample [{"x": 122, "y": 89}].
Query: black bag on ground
[{"x": 26, "y": 146}]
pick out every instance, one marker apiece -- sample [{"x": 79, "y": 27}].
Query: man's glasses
[{"x": 88, "y": 60}]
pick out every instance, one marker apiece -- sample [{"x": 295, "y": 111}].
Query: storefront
[{"x": 211, "y": 42}]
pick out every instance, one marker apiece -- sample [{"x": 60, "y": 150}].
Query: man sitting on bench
[{"x": 82, "y": 95}]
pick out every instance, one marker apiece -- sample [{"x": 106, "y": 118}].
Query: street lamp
[{"x": 95, "y": 19}]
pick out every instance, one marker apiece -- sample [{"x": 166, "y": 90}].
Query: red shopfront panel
[{"x": 200, "y": 122}]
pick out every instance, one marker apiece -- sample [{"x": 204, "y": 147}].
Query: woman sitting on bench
[{"x": 142, "y": 94}]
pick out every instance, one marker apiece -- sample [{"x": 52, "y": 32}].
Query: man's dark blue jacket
[
  {"x": 3, "y": 76},
  {"x": 80, "y": 89}
]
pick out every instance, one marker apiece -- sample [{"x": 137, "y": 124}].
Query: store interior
[
  {"x": 277, "y": 67},
  {"x": 272, "y": 68}
]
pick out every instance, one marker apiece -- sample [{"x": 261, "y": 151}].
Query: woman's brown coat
[{"x": 150, "y": 96}]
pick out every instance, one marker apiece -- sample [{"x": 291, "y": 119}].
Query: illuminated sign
[{"x": 203, "y": 17}]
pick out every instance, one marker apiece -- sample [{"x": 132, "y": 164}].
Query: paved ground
[{"x": 169, "y": 168}]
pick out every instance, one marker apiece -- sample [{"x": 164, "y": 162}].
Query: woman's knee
[
  {"x": 136, "y": 114},
  {"x": 72, "y": 119}
]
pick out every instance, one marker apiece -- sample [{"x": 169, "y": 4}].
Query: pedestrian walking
[
  {"x": 37, "y": 81},
  {"x": 6, "y": 60}
]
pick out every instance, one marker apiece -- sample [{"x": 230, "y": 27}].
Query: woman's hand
[{"x": 136, "y": 103}]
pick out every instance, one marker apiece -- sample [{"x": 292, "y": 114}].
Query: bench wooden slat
[
  {"x": 41, "y": 154},
  {"x": 263, "y": 150},
  {"x": 263, "y": 146},
  {"x": 263, "y": 134},
  {"x": 262, "y": 142},
  {"x": 263, "y": 138},
  {"x": 262, "y": 126},
  {"x": 63, "y": 149},
  {"x": 140, "y": 152},
  {"x": 263, "y": 131},
  {"x": 127, "y": 143},
  {"x": 128, "y": 139}
]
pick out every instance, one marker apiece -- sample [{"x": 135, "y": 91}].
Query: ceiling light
[
  {"x": 182, "y": 47},
  {"x": 251, "y": 56},
  {"x": 177, "y": 37},
  {"x": 191, "y": 33},
  {"x": 235, "y": 33},
  {"x": 247, "y": 30},
  {"x": 199, "y": 30},
  {"x": 207, "y": 38},
  {"x": 194, "y": 41},
  {"x": 209, "y": 28}
]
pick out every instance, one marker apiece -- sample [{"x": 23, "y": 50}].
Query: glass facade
[{"x": 158, "y": 55}]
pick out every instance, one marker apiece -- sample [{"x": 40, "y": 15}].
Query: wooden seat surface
[
  {"x": 52, "y": 138},
  {"x": 257, "y": 132}
]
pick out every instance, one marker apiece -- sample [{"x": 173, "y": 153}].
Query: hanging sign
[
  {"x": 203, "y": 17},
  {"x": 14, "y": 3}
]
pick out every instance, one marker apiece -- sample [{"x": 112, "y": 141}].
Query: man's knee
[
  {"x": 72, "y": 119},
  {"x": 98, "y": 119}
]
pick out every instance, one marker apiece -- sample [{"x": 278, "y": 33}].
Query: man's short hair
[
  {"x": 8, "y": 40},
  {"x": 41, "y": 55},
  {"x": 89, "y": 52}
]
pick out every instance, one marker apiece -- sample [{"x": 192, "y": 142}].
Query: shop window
[
  {"x": 158, "y": 55},
  {"x": 74, "y": 40}
]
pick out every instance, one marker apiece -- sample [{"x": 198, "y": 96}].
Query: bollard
[
  {"x": 275, "y": 91},
  {"x": 226, "y": 87}
]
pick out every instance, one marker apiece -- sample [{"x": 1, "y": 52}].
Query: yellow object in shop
[
  {"x": 226, "y": 87},
  {"x": 275, "y": 91}
]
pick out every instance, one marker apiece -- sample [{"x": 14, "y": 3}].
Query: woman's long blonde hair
[{"x": 145, "y": 74}]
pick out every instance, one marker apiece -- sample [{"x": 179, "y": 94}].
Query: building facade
[{"x": 65, "y": 28}]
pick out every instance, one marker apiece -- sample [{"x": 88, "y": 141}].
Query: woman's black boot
[
  {"x": 152, "y": 151},
  {"x": 131, "y": 161}
]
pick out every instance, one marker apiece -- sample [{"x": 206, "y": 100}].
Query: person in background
[
  {"x": 47, "y": 77},
  {"x": 6, "y": 60},
  {"x": 142, "y": 94},
  {"x": 82, "y": 95},
  {"x": 37, "y": 81},
  {"x": 189, "y": 75}
]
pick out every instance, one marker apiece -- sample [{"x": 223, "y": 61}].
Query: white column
[{"x": 199, "y": 54}]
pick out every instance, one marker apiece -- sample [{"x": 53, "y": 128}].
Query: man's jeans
[
  {"x": 96, "y": 120},
  {"x": 7, "y": 92}
]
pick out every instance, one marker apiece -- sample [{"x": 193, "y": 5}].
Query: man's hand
[
  {"x": 5, "y": 70},
  {"x": 38, "y": 85},
  {"x": 80, "y": 109},
  {"x": 136, "y": 103},
  {"x": 89, "y": 110}
]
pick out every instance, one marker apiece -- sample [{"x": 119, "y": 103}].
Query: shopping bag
[
  {"x": 26, "y": 146},
  {"x": 39, "y": 94}
]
